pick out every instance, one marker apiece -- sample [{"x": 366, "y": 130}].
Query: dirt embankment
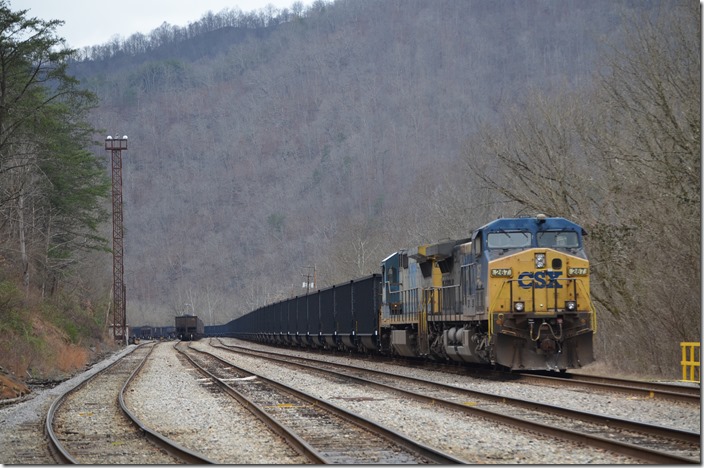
[
  {"x": 45, "y": 354},
  {"x": 11, "y": 387}
]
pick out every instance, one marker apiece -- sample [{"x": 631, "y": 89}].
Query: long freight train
[
  {"x": 515, "y": 294},
  {"x": 148, "y": 332}
]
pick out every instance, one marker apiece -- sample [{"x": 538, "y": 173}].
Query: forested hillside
[
  {"x": 328, "y": 139},
  {"x": 262, "y": 144}
]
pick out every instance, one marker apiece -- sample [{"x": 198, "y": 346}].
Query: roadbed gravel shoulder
[
  {"x": 22, "y": 439},
  {"x": 172, "y": 398}
]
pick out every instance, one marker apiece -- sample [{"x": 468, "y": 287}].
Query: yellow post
[{"x": 691, "y": 358}]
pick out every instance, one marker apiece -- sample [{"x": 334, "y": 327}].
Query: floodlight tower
[
  {"x": 307, "y": 284},
  {"x": 115, "y": 146}
]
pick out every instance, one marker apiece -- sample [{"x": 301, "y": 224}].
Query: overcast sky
[{"x": 94, "y": 22}]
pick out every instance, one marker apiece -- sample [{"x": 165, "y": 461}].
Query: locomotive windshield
[
  {"x": 558, "y": 239},
  {"x": 508, "y": 240}
]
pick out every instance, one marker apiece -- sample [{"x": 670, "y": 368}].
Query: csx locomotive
[{"x": 515, "y": 294}]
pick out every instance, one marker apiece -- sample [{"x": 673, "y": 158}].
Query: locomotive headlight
[
  {"x": 571, "y": 306},
  {"x": 540, "y": 260},
  {"x": 519, "y": 306}
]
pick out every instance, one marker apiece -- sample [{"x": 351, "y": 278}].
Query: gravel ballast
[{"x": 171, "y": 397}]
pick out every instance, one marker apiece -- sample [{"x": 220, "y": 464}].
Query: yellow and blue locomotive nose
[
  {"x": 540, "y": 310},
  {"x": 539, "y": 281}
]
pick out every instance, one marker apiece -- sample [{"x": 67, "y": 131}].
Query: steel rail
[
  {"x": 610, "y": 421},
  {"x": 157, "y": 439},
  {"x": 391, "y": 435},
  {"x": 641, "y": 453},
  {"x": 64, "y": 457},
  {"x": 55, "y": 446},
  {"x": 301, "y": 446},
  {"x": 650, "y": 389},
  {"x": 685, "y": 394}
]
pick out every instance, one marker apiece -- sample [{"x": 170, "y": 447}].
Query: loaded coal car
[
  {"x": 356, "y": 321},
  {"x": 146, "y": 332},
  {"x": 218, "y": 330},
  {"x": 344, "y": 316},
  {"x": 168, "y": 333},
  {"x": 164, "y": 333},
  {"x": 135, "y": 334},
  {"x": 189, "y": 327}
]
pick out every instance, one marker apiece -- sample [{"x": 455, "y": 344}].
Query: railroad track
[
  {"x": 324, "y": 432},
  {"x": 633, "y": 387},
  {"x": 642, "y": 441},
  {"x": 86, "y": 425},
  {"x": 637, "y": 388}
]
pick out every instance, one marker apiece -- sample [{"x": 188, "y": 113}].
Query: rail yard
[{"x": 221, "y": 400}]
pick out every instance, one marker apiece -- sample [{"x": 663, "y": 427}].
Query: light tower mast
[{"x": 115, "y": 146}]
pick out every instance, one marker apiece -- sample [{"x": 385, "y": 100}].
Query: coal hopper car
[{"x": 189, "y": 328}]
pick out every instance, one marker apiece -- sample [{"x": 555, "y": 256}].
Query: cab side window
[{"x": 477, "y": 246}]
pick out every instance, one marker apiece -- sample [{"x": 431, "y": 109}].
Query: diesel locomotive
[{"x": 515, "y": 294}]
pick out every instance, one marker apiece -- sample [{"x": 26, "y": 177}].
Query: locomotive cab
[
  {"x": 539, "y": 309},
  {"x": 391, "y": 280}
]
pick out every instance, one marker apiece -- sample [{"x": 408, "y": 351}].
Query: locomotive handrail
[
  {"x": 418, "y": 301},
  {"x": 407, "y": 297},
  {"x": 491, "y": 310},
  {"x": 592, "y": 307},
  {"x": 415, "y": 299},
  {"x": 447, "y": 299}
]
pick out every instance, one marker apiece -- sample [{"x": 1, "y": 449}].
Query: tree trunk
[{"x": 23, "y": 242}]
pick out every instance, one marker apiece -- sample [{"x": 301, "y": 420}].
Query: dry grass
[
  {"x": 11, "y": 387},
  {"x": 602, "y": 368},
  {"x": 71, "y": 358},
  {"x": 46, "y": 352},
  {"x": 57, "y": 355}
]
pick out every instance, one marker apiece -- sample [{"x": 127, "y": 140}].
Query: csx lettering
[{"x": 539, "y": 279}]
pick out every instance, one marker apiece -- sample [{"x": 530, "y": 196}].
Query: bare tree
[{"x": 624, "y": 161}]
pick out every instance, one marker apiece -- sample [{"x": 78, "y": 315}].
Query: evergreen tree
[{"x": 51, "y": 186}]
